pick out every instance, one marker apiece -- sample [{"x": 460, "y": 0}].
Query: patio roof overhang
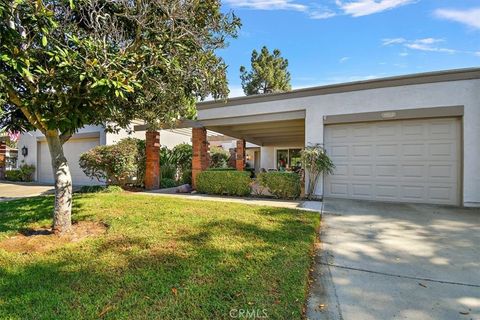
[{"x": 264, "y": 129}]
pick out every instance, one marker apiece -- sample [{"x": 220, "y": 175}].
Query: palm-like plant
[{"x": 315, "y": 161}]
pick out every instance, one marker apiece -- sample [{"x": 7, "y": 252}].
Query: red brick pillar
[
  {"x": 240, "y": 155},
  {"x": 233, "y": 158},
  {"x": 3, "y": 155},
  {"x": 152, "y": 153},
  {"x": 200, "y": 152}
]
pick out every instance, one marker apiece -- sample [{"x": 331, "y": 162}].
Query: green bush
[
  {"x": 224, "y": 182},
  {"x": 176, "y": 163},
  {"x": 222, "y": 169},
  {"x": 118, "y": 164},
  {"x": 218, "y": 157},
  {"x": 100, "y": 189},
  {"x": 13, "y": 175},
  {"x": 186, "y": 177},
  {"x": 167, "y": 183},
  {"x": 283, "y": 185},
  {"x": 23, "y": 173}
]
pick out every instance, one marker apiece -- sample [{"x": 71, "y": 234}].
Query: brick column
[
  {"x": 240, "y": 155},
  {"x": 233, "y": 158},
  {"x": 200, "y": 152},
  {"x": 152, "y": 153},
  {"x": 3, "y": 155}
]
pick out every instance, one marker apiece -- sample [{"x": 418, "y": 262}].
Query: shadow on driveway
[{"x": 406, "y": 261}]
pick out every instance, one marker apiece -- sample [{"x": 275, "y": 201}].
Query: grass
[{"x": 161, "y": 258}]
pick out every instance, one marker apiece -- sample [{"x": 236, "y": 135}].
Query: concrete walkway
[
  {"x": 15, "y": 190},
  {"x": 291, "y": 204},
  {"x": 396, "y": 261}
]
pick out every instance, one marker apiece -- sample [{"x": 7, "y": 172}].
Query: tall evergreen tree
[{"x": 269, "y": 73}]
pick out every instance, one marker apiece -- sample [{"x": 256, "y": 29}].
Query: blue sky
[{"x": 332, "y": 41}]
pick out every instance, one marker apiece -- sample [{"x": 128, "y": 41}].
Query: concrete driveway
[
  {"x": 15, "y": 190},
  {"x": 396, "y": 261}
]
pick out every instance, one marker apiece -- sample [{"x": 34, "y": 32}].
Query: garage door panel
[
  {"x": 409, "y": 160},
  {"x": 72, "y": 150}
]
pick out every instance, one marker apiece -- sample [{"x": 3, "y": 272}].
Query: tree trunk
[{"x": 62, "y": 212}]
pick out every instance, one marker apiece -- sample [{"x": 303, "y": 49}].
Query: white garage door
[
  {"x": 72, "y": 149},
  {"x": 405, "y": 161}
]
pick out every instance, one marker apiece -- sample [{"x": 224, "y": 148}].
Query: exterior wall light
[
  {"x": 389, "y": 115},
  {"x": 24, "y": 151}
]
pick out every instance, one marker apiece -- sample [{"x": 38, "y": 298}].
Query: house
[
  {"x": 412, "y": 138},
  {"x": 37, "y": 152}
]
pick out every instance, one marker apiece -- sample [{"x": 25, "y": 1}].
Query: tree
[
  {"x": 65, "y": 64},
  {"x": 269, "y": 73},
  {"x": 315, "y": 161}
]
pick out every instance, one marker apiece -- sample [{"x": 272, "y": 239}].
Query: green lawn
[{"x": 161, "y": 258}]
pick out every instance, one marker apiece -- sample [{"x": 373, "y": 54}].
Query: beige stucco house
[
  {"x": 85, "y": 139},
  {"x": 412, "y": 138}
]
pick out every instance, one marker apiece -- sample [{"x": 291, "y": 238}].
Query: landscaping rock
[{"x": 184, "y": 188}]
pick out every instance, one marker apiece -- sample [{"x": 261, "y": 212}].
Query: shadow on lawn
[
  {"x": 16, "y": 215},
  {"x": 187, "y": 276}
]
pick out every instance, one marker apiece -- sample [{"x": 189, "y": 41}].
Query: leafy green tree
[
  {"x": 65, "y": 64},
  {"x": 316, "y": 162},
  {"x": 269, "y": 73}
]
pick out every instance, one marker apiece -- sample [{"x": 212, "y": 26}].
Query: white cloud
[
  {"x": 403, "y": 54},
  {"x": 424, "y": 44},
  {"x": 268, "y": 4},
  {"x": 387, "y": 42},
  {"x": 321, "y": 14},
  {"x": 477, "y": 53},
  {"x": 470, "y": 17},
  {"x": 360, "y": 8},
  {"x": 355, "y": 8},
  {"x": 344, "y": 59}
]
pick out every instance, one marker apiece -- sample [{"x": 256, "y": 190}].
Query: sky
[{"x": 334, "y": 41}]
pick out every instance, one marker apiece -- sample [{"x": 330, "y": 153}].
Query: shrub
[
  {"x": 13, "y": 175},
  {"x": 23, "y": 173},
  {"x": 316, "y": 161},
  {"x": 186, "y": 177},
  {"x": 218, "y": 157},
  {"x": 176, "y": 163},
  {"x": 222, "y": 169},
  {"x": 118, "y": 164},
  {"x": 224, "y": 182},
  {"x": 100, "y": 189},
  {"x": 167, "y": 183},
  {"x": 283, "y": 185}
]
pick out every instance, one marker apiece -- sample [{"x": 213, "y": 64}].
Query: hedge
[
  {"x": 283, "y": 185},
  {"x": 100, "y": 189},
  {"x": 119, "y": 164},
  {"x": 167, "y": 183},
  {"x": 224, "y": 182},
  {"x": 23, "y": 173},
  {"x": 221, "y": 169}
]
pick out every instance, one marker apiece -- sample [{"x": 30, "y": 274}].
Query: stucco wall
[
  {"x": 29, "y": 140},
  {"x": 170, "y": 138},
  {"x": 444, "y": 94}
]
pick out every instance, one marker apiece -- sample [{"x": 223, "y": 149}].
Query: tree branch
[
  {"x": 15, "y": 99},
  {"x": 65, "y": 136}
]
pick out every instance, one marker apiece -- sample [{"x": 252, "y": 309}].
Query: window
[{"x": 288, "y": 159}]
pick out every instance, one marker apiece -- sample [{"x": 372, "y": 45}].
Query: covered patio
[{"x": 263, "y": 142}]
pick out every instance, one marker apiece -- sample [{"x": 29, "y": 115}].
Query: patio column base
[
  {"x": 240, "y": 155},
  {"x": 152, "y": 153},
  {"x": 200, "y": 152}
]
